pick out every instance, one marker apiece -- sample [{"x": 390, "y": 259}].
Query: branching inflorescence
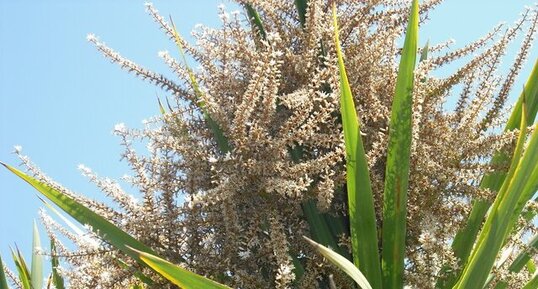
[{"x": 237, "y": 216}]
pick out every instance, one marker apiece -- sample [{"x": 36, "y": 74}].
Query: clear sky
[{"x": 60, "y": 99}]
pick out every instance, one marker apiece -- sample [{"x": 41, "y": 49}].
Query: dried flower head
[{"x": 237, "y": 216}]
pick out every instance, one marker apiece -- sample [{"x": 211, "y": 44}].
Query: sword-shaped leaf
[
  {"x": 523, "y": 173},
  {"x": 36, "y": 273},
  {"x": 57, "y": 279},
  {"x": 22, "y": 269},
  {"x": 177, "y": 275},
  {"x": 221, "y": 140},
  {"x": 465, "y": 238},
  {"x": 301, "y": 6},
  {"x": 533, "y": 283},
  {"x": 3, "y": 280},
  {"x": 137, "y": 273},
  {"x": 255, "y": 21},
  {"x": 397, "y": 165},
  {"x": 342, "y": 263},
  {"x": 360, "y": 197},
  {"x": 102, "y": 227}
]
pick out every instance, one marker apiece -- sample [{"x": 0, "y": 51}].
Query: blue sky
[{"x": 60, "y": 99}]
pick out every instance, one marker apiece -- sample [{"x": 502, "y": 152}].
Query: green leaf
[
  {"x": 57, "y": 279},
  {"x": 22, "y": 269},
  {"x": 529, "y": 95},
  {"x": 424, "y": 52},
  {"x": 137, "y": 273},
  {"x": 177, "y": 275},
  {"x": 465, "y": 238},
  {"x": 398, "y": 155},
  {"x": 533, "y": 284},
  {"x": 70, "y": 224},
  {"x": 221, "y": 140},
  {"x": 255, "y": 21},
  {"x": 161, "y": 107},
  {"x": 301, "y": 6},
  {"x": 531, "y": 266},
  {"x": 522, "y": 260},
  {"x": 342, "y": 263},
  {"x": 522, "y": 175},
  {"x": 36, "y": 274},
  {"x": 3, "y": 280},
  {"x": 319, "y": 228},
  {"x": 100, "y": 226},
  {"x": 360, "y": 197}
]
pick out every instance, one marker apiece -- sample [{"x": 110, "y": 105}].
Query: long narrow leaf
[
  {"x": 465, "y": 238},
  {"x": 161, "y": 107},
  {"x": 301, "y": 6},
  {"x": 319, "y": 228},
  {"x": 398, "y": 155},
  {"x": 22, "y": 269},
  {"x": 255, "y": 21},
  {"x": 498, "y": 222},
  {"x": 36, "y": 274},
  {"x": 424, "y": 52},
  {"x": 57, "y": 279},
  {"x": 177, "y": 275},
  {"x": 342, "y": 263},
  {"x": 533, "y": 284},
  {"x": 221, "y": 140},
  {"x": 504, "y": 189},
  {"x": 360, "y": 197},
  {"x": 137, "y": 273},
  {"x": 531, "y": 266},
  {"x": 521, "y": 260},
  {"x": 3, "y": 280},
  {"x": 70, "y": 224},
  {"x": 102, "y": 227}
]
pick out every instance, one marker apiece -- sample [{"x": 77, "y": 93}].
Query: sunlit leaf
[
  {"x": 3, "y": 280},
  {"x": 100, "y": 226},
  {"x": 342, "y": 263},
  {"x": 36, "y": 274},
  {"x": 360, "y": 197},
  {"x": 398, "y": 158},
  {"x": 177, "y": 275}
]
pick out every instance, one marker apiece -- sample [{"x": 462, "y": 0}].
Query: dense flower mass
[{"x": 235, "y": 210}]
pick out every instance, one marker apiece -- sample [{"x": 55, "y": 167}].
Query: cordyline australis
[{"x": 307, "y": 118}]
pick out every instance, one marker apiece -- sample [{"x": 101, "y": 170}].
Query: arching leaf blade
[
  {"x": 57, "y": 279},
  {"x": 36, "y": 273},
  {"x": 178, "y": 275},
  {"x": 398, "y": 160},
  {"x": 255, "y": 21},
  {"x": 342, "y": 263},
  {"x": 466, "y": 237},
  {"x": 363, "y": 225},
  {"x": 499, "y": 221},
  {"x": 102, "y": 227},
  {"x": 3, "y": 280}
]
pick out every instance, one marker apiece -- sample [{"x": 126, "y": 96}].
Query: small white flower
[
  {"x": 84, "y": 169},
  {"x": 91, "y": 37},
  {"x": 18, "y": 149},
  {"x": 162, "y": 54},
  {"x": 244, "y": 254},
  {"x": 120, "y": 128}
]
